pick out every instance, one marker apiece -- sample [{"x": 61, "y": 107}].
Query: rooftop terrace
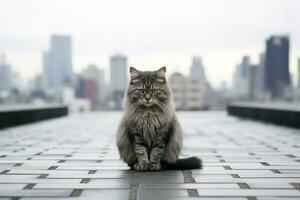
[{"x": 75, "y": 157}]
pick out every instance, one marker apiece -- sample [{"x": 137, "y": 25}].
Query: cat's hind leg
[
  {"x": 174, "y": 144},
  {"x": 124, "y": 144}
]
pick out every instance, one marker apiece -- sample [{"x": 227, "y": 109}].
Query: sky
[{"x": 151, "y": 33}]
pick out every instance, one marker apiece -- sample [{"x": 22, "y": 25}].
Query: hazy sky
[{"x": 152, "y": 33}]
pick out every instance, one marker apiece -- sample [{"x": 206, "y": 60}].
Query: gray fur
[{"x": 142, "y": 133}]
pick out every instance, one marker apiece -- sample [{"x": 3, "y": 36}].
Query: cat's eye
[{"x": 155, "y": 90}]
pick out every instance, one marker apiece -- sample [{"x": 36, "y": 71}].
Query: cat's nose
[{"x": 147, "y": 96}]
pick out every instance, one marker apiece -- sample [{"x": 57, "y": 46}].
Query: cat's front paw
[
  {"x": 141, "y": 166},
  {"x": 154, "y": 166}
]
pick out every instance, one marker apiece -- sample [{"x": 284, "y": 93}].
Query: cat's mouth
[{"x": 148, "y": 103}]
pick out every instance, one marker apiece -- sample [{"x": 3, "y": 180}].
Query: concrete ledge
[
  {"x": 287, "y": 114},
  {"x": 18, "y": 115}
]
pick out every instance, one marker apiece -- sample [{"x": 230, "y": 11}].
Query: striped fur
[{"x": 149, "y": 136}]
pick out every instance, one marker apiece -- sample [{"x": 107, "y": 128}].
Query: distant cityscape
[{"x": 268, "y": 80}]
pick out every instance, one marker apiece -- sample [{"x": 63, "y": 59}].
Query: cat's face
[{"x": 148, "y": 88}]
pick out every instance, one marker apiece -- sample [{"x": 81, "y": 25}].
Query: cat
[{"x": 149, "y": 137}]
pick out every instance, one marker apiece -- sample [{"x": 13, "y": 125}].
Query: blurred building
[
  {"x": 57, "y": 62},
  {"x": 178, "y": 84},
  {"x": 118, "y": 78},
  {"x": 74, "y": 104},
  {"x": 5, "y": 74},
  {"x": 277, "y": 65},
  {"x": 195, "y": 94},
  {"x": 87, "y": 88},
  {"x": 241, "y": 78},
  {"x": 9, "y": 79},
  {"x": 97, "y": 74},
  {"x": 261, "y": 71},
  {"x": 223, "y": 86},
  {"x": 299, "y": 73},
  {"x": 196, "y": 85},
  {"x": 254, "y": 83},
  {"x": 189, "y": 92},
  {"x": 36, "y": 86},
  {"x": 197, "y": 69}
]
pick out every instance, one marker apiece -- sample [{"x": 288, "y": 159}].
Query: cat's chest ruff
[
  {"x": 151, "y": 121},
  {"x": 152, "y": 128},
  {"x": 150, "y": 124}
]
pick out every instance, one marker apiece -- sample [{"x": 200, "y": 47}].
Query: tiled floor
[{"x": 76, "y": 158}]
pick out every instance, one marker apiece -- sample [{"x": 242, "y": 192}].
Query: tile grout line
[
  {"x": 76, "y": 193},
  {"x": 246, "y": 186},
  {"x": 4, "y": 171},
  {"x": 29, "y": 186},
  {"x": 18, "y": 164},
  {"x": 43, "y": 176},
  {"x": 188, "y": 178},
  {"x": 87, "y": 180},
  {"x": 251, "y": 198},
  {"x": 134, "y": 186},
  {"x": 52, "y": 167},
  {"x": 243, "y": 185},
  {"x": 296, "y": 185},
  {"x": 275, "y": 171}
]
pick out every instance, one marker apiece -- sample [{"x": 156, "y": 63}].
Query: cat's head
[{"x": 148, "y": 88}]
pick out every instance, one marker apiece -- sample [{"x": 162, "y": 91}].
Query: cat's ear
[
  {"x": 133, "y": 72},
  {"x": 162, "y": 71}
]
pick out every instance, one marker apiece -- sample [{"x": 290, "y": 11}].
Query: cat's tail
[{"x": 182, "y": 164}]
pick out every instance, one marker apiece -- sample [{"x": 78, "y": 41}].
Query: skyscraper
[
  {"x": 242, "y": 78},
  {"x": 87, "y": 88},
  {"x": 97, "y": 74},
  {"x": 5, "y": 74},
  {"x": 196, "y": 85},
  {"x": 197, "y": 70},
  {"x": 57, "y": 62},
  {"x": 189, "y": 91},
  {"x": 277, "y": 65},
  {"x": 178, "y": 83},
  {"x": 261, "y": 72},
  {"x": 253, "y": 83},
  {"x": 298, "y": 72},
  {"x": 118, "y": 78}
]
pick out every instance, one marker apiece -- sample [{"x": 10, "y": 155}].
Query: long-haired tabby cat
[{"x": 149, "y": 136}]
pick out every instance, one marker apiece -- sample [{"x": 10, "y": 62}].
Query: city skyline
[
  {"x": 150, "y": 34},
  {"x": 267, "y": 80},
  {"x": 170, "y": 69}
]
